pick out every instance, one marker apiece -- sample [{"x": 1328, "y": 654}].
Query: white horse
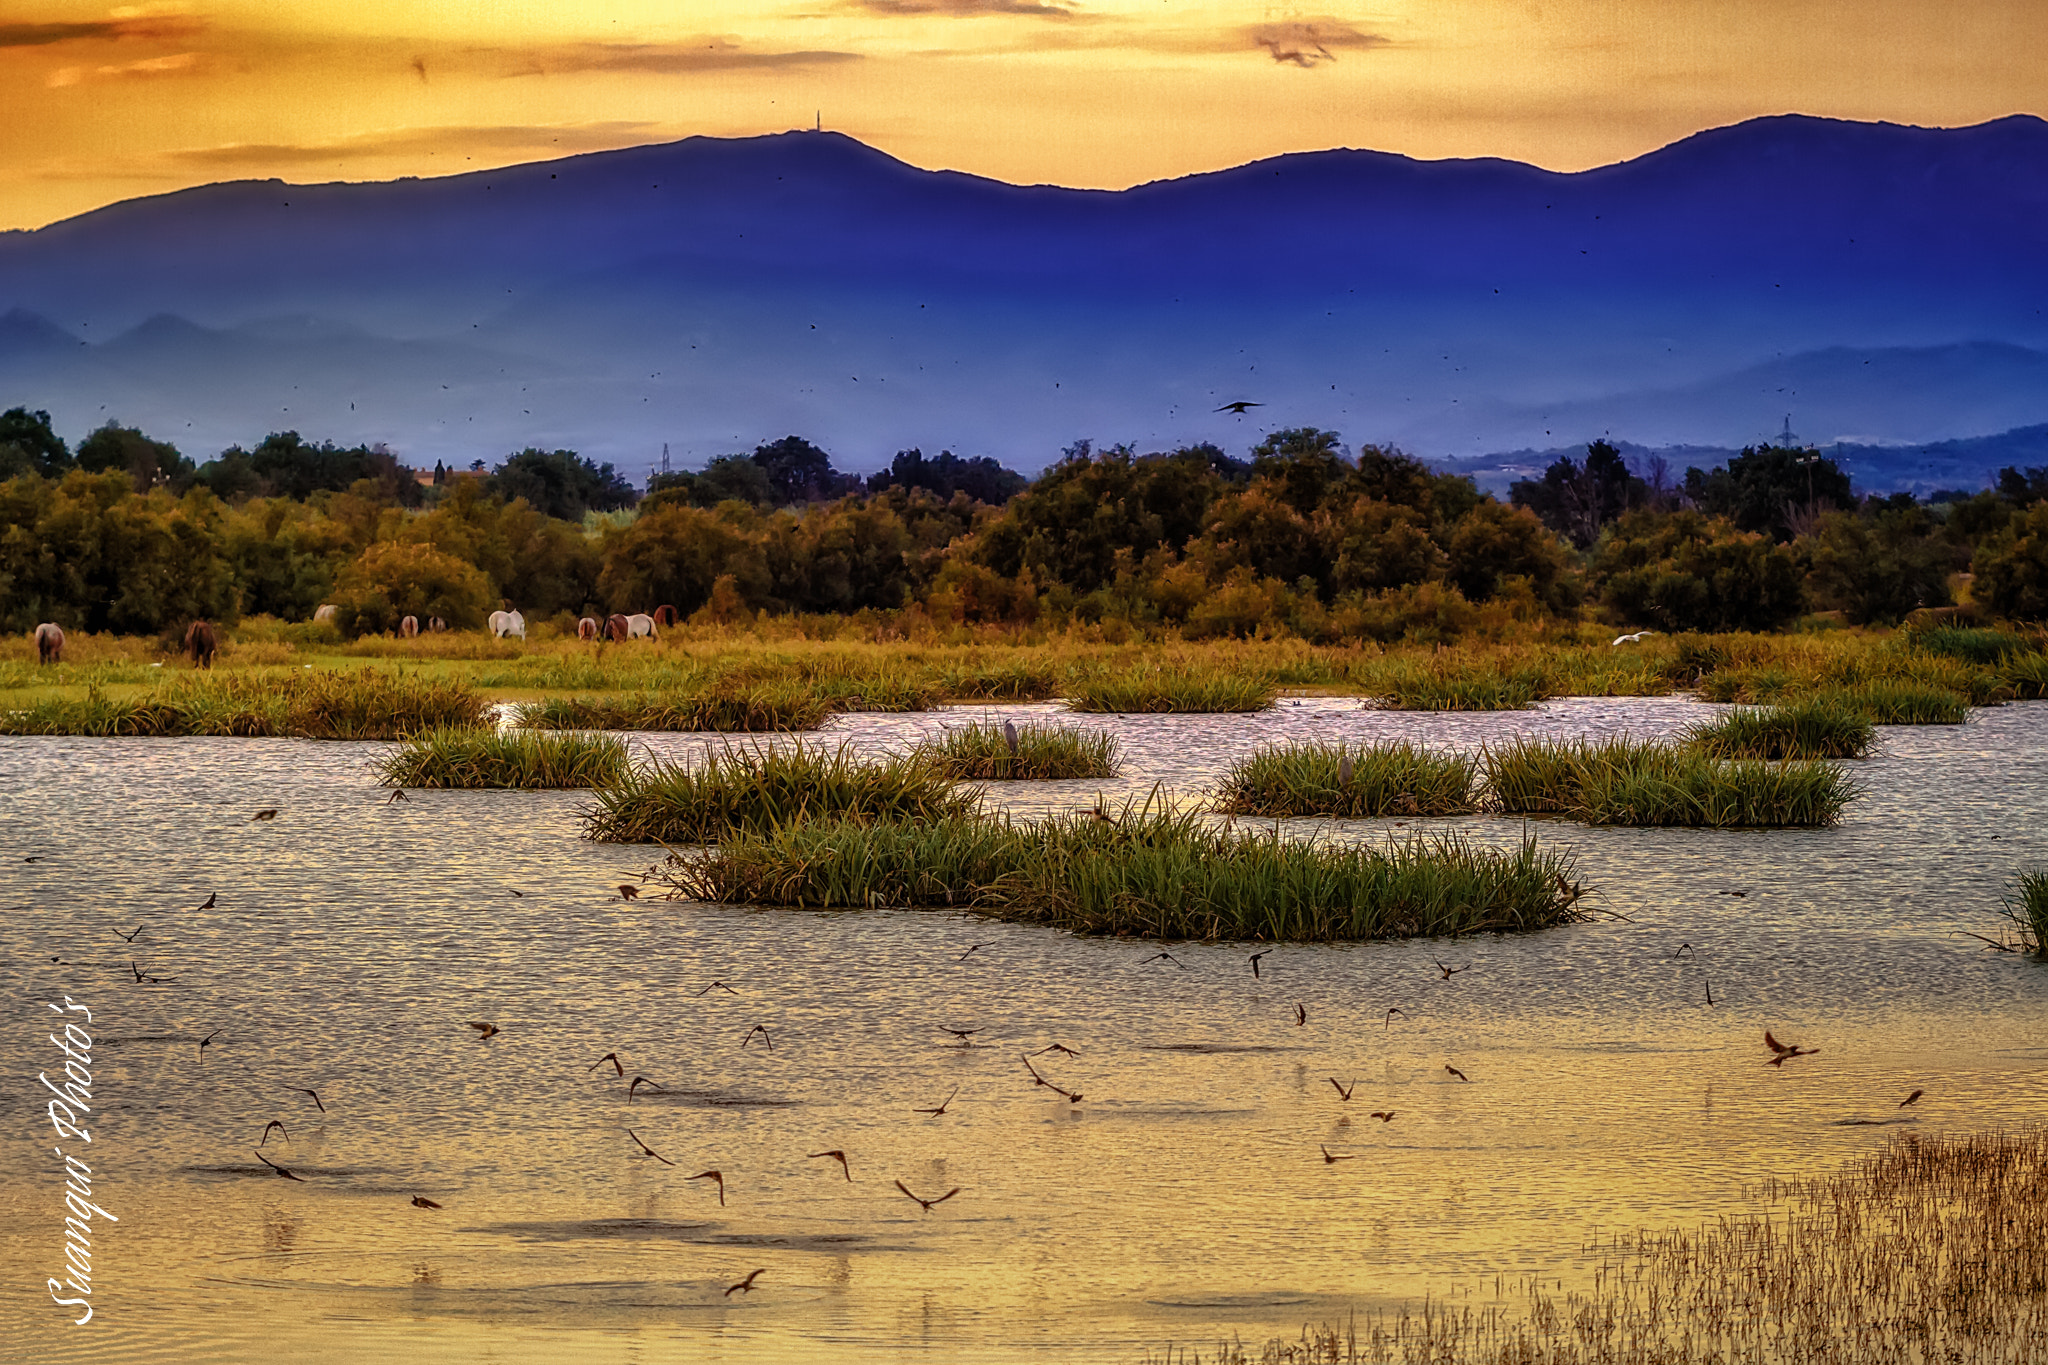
[
  {"x": 640, "y": 625},
  {"x": 505, "y": 623},
  {"x": 1634, "y": 639}
]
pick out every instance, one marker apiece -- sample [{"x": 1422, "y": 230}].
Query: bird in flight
[
  {"x": 316, "y": 1097},
  {"x": 204, "y": 1041},
  {"x": 1239, "y": 407},
  {"x": 713, "y": 1175},
  {"x": 970, "y": 952},
  {"x": 1329, "y": 1160},
  {"x": 130, "y": 938},
  {"x": 1383, "y": 1115},
  {"x": 927, "y": 1203},
  {"x": 1683, "y": 949},
  {"x": 1300, "y": 1015},
  {"x": 281, "y": 1170},
  {"x": 1255, "y": 963},
  {"x": 398, "y": 795},
  {"x": 1388, "y": 1022},
  {"x": 277, "y": 1124},
  {"x": 1168, "y": 956},
  {"x": 745, "y": 1286},
  {"x": 1455, "y": 1072},
  {"x": 1785, "y": 1052},
  {"x": 628, "y": 891},
  {"x": 1073, "y": 1097},
  {"x": 761, "y": 1029},
  {"x": 837, "y": 1156},
  {"x": 1910, "y": 1098},
  {"x": 942, "y": 1104},
  {"x": 1056, "y": 1047},
  {"x": 963, "y": 1034},
  {"x": 269, "y": 813},
  {"x": 639, "y": 1081},
  {"x": 1344, "y": 1091},
  {"x": 611, "y": 1057},
  {"x": 489, "y": 1031},
  {"x": 649, "y": 1150},
  {"x": 718, "y": 986},
  {"x": 420, "y": 1201},
  {"x": 1450, "y": 972}
]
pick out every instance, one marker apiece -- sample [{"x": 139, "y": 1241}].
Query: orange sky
[{"x": 107, "y": 103}]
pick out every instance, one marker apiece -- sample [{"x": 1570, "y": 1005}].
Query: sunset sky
[{"x": 108, "y": 103}]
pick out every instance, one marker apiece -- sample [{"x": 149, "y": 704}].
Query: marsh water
[{"x": 1184, "y": 1199}]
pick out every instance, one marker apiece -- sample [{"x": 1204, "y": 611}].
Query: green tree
[
  {"x": 1878, "y": 564},
  {"x": 675, "y": 554},
  {"x": 1688, "y": 571},
  {"x": 393, "y": 579},
  {"x": 1767, "y": 488},
  {"x": 1069, "y": 527},
  {"x": 145, "y": 461},
  {"x": 729, "y": 478},
  {"x": 560, "y": 483},
  {"x": 29, "y": 446},
  {"x": 2010, "y": 572},
  {"x": 800, "y": 472},
  {"x": 1494, "y": 542},
  {"x": 87, "y": 551},
  {"x": 1576, "y": 500},
  {"x": 980, "y": 478}
]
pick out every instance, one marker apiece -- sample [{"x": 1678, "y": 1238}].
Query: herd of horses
[{"x": 202, "y": 639}]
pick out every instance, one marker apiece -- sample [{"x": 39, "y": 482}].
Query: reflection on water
[{"x": 1186, "y": 1197}]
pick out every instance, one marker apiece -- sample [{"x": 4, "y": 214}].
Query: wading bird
[
  {"x": 281, "y": 1170},
  {"x": 761, "y": 1029},
  {"x": 837, "y": 1156},
  {"x": 1910, "y": 1098},
  {"x": 927, "y": 1203},
  {"x": 488, "y": 1031},
  {"x": 316, "y": 1097},
  {"x": 611, "y": 1057},
  {"x": 1344, "y": 1091},
  {"x": 942, "y": 1104},
  {"x": 746, "y": 1286},
  {"x": 1168, "y": 956},
  {"x": 716, "y": 1176},
  {"x": 277, "y": 1124},
  {"x": 268, "y": 813},
  {"x": 1255, "y": 963},
  {"x": 649, "y": 1150},
  {"x": 1073, "y": 1097},
  {"x": 420, "y": 1201},
  {"x": 1329, "y": 1160},
  {"x": 1455, "y": 1072},
  {"x": 1784, "y": 1052},
  {"x": 1010, "y": 737},
  {"x": 639, "y": 1081}
]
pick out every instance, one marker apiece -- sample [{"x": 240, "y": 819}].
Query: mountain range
[{"x": 1875, "y": 285}]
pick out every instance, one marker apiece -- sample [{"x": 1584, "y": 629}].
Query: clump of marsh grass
[
  {"x": 758, "y": 787},
  {"x": 983, "y": 752},
  {"x": 361, "y": 704},
  {"x": 765, "y": 709},
  {"x": 1150, "y": 689},
  {"x": 1150, "y": 871},
  {"x": 483, "y": 757},
  {"x": 2026, "y": 676},
  {"x": 2026, "y": 905},
  {"x": 1461, "y": 686},
  {"x": 1929, "y": 1249},
  {"x": 1624, "y": 781},
  {"x": 1818, "y": 727},
  {"x": 1900, "y": 702},
  {"x": 1013, "y": 680},
  {"x": 1350, "y": 780},
  {"x": 1974, "y": 644}
]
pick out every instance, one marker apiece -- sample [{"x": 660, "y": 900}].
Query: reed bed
[
  {"x": 759, "y": 788},
  {"x": 2026, "y": 676},
  {"x": 1974, "y": 644},
  {"x": 1625, "y": 781},
  {"x": 759, "y": 710},
  {"x": 1151, "y": 871},
  {"x": 2026, "y": 905},
  {"x": 1901, "y": 703},
  {"x": 480, "y": 757},
  {"x": 1818, "y": 727},
  {"x": 359, "y": 704},
  {"x": 1458, "y": 686},
  {"x": 1146, "y": 689},
  {"x": 1010, "y": 680},
  {"x": 1929, "y": 1251},
  {"x": 1357, "y": 781},
  {"x": 983, "y": 752}
]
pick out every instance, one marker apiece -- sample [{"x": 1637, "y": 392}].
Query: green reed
[
  {"x": 2026, "y": 905},
  {"x": 476, "y": 757},
  {"x": 1974, "y": 644},
  {"x": 1350, "y": 780},
  {"x": 1626, "y": 781},
  {"x": 358, "y": 704},
  {"x": 765, "y": 709},
  {"x": 758, "y": 787},
  {"x": 983, "y": 752},
  {"x": 1150, "y": 871},
  {"x": 1891, "y": 702},
  {"x": 1818, "y": 727},
  {"x": 1147, "y": 688},
  {"x": 1460, "y": 686},
  {"x": 2026, "y": 676}
]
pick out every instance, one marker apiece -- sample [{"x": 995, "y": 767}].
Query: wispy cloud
[
  {"x": 178, "y": 64},
  {"x": 696, "y": 54},
  {"x": 965, "y": 9},
  {"x": 140, "y": 21},
  {"x": 1308, "y": 42},
  {"x": 550, "y": 140}
]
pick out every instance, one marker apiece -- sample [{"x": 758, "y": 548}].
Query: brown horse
[
  {"x": 409, "y": 627},
  {"x": 586, "y": 629},
  {"x": 49, "y": 643},
  {"x": 664, "y": 616},
  {"x": 615, "y": 629},
  {"x": 201, "y": 642}
]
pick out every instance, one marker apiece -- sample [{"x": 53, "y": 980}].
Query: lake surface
[{"x": 1184, "y": 1199}]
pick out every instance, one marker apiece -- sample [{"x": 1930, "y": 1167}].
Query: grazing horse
[
  {"x": 324, "y": 613},
  {"x": 504, "y": 623},
  {"x": 201, "y": 642},
  {"x": 409, "y": 627},
  {"x": 49, "y": 643},
  {"x": 437, "y": 624},
  {"x": 615, "y": 628},
  {"x": 664, "y": 615},
  {"x": 586, "y": 629},
  {"x": 640, "y": 626}
]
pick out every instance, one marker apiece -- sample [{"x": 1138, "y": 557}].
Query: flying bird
[
  {"x": 837, "y": 1156},
  {"x": 761, "y": 1029},
  {"x": 639, "y": 1081},
  {"x": 1383, "y": 1115},
  {"x": 277, "y": 1124},
  {"x": 713, "y": 1175},
  {"x": 628, "y": 891},
  {"x": 204, "y": 1041},
  {"x": 1455, "y": 1072},
  {"x": 970, "y": 952},
  {"x": 420, "y": 1201},
  {"x": 942, "y": 1104},
  {"x": 927, "y": 1203},
  {"x": 1169, "y": 957},
  {"x": 1389, "y": 1020},
  {"x": 1300, "y": 1015},
  {"x": 127, "y": 938},
  {"x": 489, "y": 1031},
  {"x": 718, "y": 986},
  {"x": 1910, "y": 1098},
  {"x": 316, "y": 1097},
  {"x": 649, "y": 1150},
  {"x": 1255, "y": 963},
  {"x": 1056, "y": 1047},
  {"x": 1683, "y": 949},
  {"x": 398, "y": 795},
  {"x": 745, "y": 1286},
  {"x": 1343, "y": 1091},
  {"x": 611, "y": 1057},
  {"x": 282, "y": 1171},
  {"x": 1073, "y": 1096},
  {"x": 963, "y": 1034},
  {"x": 1329, "y": 1160},
  {"x": 269, "y": 813},
  {"x": 1239, "y": 407},
  {"x": 1784, "y": 1052},
  {"x": 1450, "y": 972}
]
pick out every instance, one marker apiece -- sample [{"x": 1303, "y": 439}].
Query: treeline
[{"x": 1301, "y": 537}]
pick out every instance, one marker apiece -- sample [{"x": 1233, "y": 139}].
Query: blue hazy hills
[{"x": 1883, "y": 286}]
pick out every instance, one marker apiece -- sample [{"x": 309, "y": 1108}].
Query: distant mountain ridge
[{"x": 1883, "y": 284}]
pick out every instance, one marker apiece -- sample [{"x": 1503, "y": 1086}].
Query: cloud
[
  {"x": 698, "y": 54},
  {"x": 144, "y": 21},
  {"x": 183, "y": 63},
  {"x": 550, "y": 140},
  {"x": 964, "y": 9},
  {"x": 1308, "y": 42}
]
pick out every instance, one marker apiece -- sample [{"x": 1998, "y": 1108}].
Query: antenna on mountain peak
[
  {"x": 818, "y": 125},
  {"x": 664, "y": 457}
]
